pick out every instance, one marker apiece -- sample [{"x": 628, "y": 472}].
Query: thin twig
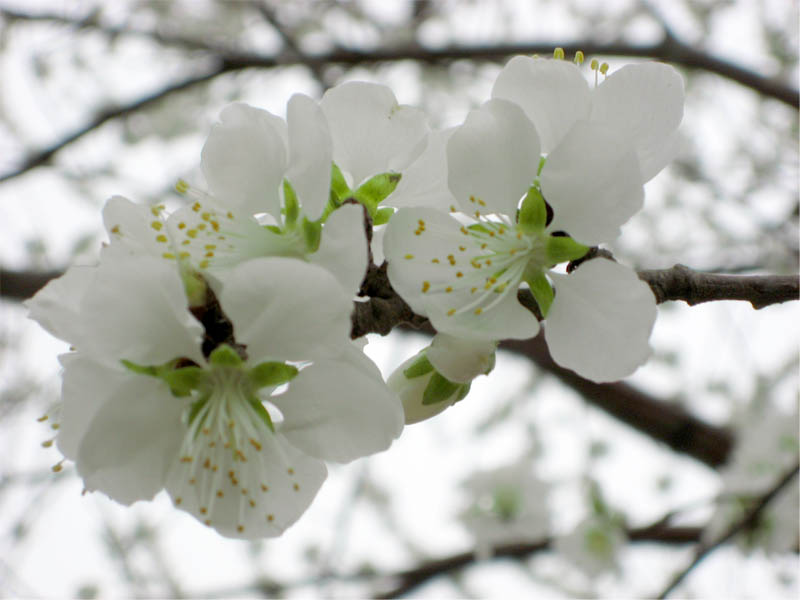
[{"x": 748, "y": 520}]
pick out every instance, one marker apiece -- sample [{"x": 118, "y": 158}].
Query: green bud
[
  {"x": 542, "y": 292},
  {"x": 421, "y": 366},
  {"x": 291, "y": 207},
  {"x": 382, "y": 215},
  {"x": 532, "y": 214},
  {"x": 438, "y": 390},
  {"x": 271, "y": 374},
  {"x": 375, "y": 190},
  {"x": 225, "y": 356},
  {"x": 563, "y": 248}
]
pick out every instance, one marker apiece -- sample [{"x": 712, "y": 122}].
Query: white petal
[
  {"x": 593, "y": 183},
  {"x": 132, "y": 441},
  {"x": 644, "y": 103},
  {"x": 137, "y": 310},
  {"x": 57, "y": 306},
  {"x": 86, "y": 386},
  {"x": 132, "y": 228},
  {"x": 244, "y": 159},
  {"x": 340, "y": 410},
  {"x": 286, "y": 309},
  {"x": 458, "y": 359},
  {"x": 553, "y": 94},
  {"x": 253, "y": 499},
  {"x": 343, "y": 247},
  {"x": 493, "y": 158},
  {"x": 600, "y": 321},
  {"x": 310, "y": 154},
  {"x": 371, "y": 133},
  {"x": 424, "y": 182}
]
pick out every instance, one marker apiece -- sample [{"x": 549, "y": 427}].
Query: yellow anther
[
  {"x": 154, "y": 211},
  {"x": 192, "y": 233},
  {"x": 240, "y": 528},
  {"x": 459, "y": 274},
  {"x": 448, "y": 289},
  {"x": 477, "y": 214},
  {"x": 426, "y": 285},
  {"x": 451, "y": 259},
  {"x": 230, "y": 215},
  {"x": 183, "y": 255},
  {"x": 47, "y": 443},
  {"x": 473, "y": 290},
  {"x": 207, "y": 522},
  {"x": 196, "y": 207},
  {"x": 255, "y": 444},
  {"x": 594, "y": 65},
  {"x": 579, "y": 58},
  {"x": 484, "y": 246},
  {"x": 296, "y": 487},
  {"x": 210, "y": 246},
  {"x": 57, "y": 467},
  {"x": 181, "y": 186},
  {"x": 181, "y": 225},
  {"x": 178, "y": 500},
  {"x": 201, "y": 226},
  {"x": 462, "y": 248},
  {"x": 435, "y": 261},
  {"x": 452, "y": 208},
  {"x": 264, "y": 488},
  {"x": 168, "y": 255},
  {"x": 270, "y": 518},
  {"x": 203, "y": 510},
  {"x": 479, "y": 310},
  {"x": 203, "y": 263},
  {"x": 290, "y": 471},
  {"x": 43, "y": 418},
  {"x": 209, "y": 254},
  {"x": 464, "y": 230},
  {"x": 481, "y": 202},
  {"x": 115, "y": 229},
  {"x": 215, "y": 226},
  {"x": 206, "y": 216},
  {"x": 472, "y": 199},
  {"x": 157, "y": 225},
  {"x": 451, "y": 312},
  {"x": 161, "y": 238},
  {"x": 185, "y": 242},
  {"x": 408, "y": 256},
  {"x": 252, "y": 503},
  {"x": 558, "y": 54},
  {"x": 604, "y": 68},
  {"x": 220, "y": 493}
]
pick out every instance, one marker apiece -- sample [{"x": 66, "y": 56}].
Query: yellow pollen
[
  {"x": 421, "y": 223},
  {"x": 451, "y": 312},
  {"x": 47, "y": 443},
  {"x": 181, "y": 225},
  {"x": 207, "y": 464},
  {"x": 168, "y": 255},
  {"x": 209, "y": 254},
  {"x": 201, "y": 226},
  {"x": 154, "y": 211},
  {"x": 207, "y": 522},
  {"x": 255, "y": 444},
  {"x": 181, "y": 186},
  {"x": 290, "y": 471},
  {"x": 196, "y": 207},
  {"x": 448, "y": 289},
  {"x": 42, "y": 419},
  {"x": 579, "y": 57},
  {"x": 192, "y": 481},
  {"x": 203, "y": 510},
  {"x": 253, "y": 503},
  {"x": 56, "y": 468},
  {"x": 178, "y": 500},
  {"x": 270, "y": 518},
  {"x": 473, "y": 290},
  {"x": 481, "y": 202},
  {"x": 489, "y": 262},
  {"x": 206, "y": 216},
  {"x": 459, "y": 274},
  {"x": 604, "y": 68},
  {"x": 264, "y": 488},
  {"x": 452, "y": 208},
  {"x": 183, "y": 254},
  {"x": 296, "y": 487},
  {"x": 203, "y": 263},
  {"x": 477, "y": 214},
  {"x": 210, "y": 246},
  {"x": 240, "y": 528},
  {"x": 484, "y": 246},
  {"x": 192, "y": 233},
  {"x": 478, "y": 310},
  {"x": 501, "y": 231},
  {"x": 435, "y": 261},
  {"x": 220, "y": 494},
  {"x": 462, "y": 248},
  {"x": 426, "y": 285},
  {"x": 186, "y": 459},
  {"x": 157, "y": 225},
  {"x": 161, "y": 238},
  {"x": 214, "y": 225},
  {"x": 452, "y": 259},
  {"x": 558, "y": 54},
  {"x": 115, "y": 229},
  {"x": 594, "y": 65},
  {"x": 408, "y": 256},
  {"x": 464, "y": 230},
  {"x": 229, "y": 215}
]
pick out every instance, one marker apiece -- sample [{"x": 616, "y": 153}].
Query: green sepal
[
  {"x": 382, "y": 215},
  {"x": 421, "y": 366},
  {"x": 312, "y": 232},
  {"x": 274, "y": 229},
  {"x": 542, "y": 292},
  {"x": 563, "y": 248},
  {"x": 375, "y": 190},
  {"x": 183, "y": 381},
  {"x": 261, "y": 412},
  {"x": 339, "y": 186},
  {"x": 462, "y": 393},
  {"x": 439, "y": 389},
  {"x": 225, "y": 356},
  {"x": 271, "y": 374},
  {"x": 532, "y": 214},
  {"x": 291, "y": 207},
  {"x": 139, "y": 369}
]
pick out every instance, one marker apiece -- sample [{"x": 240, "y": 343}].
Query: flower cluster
[{"x": 211, "y": 354}]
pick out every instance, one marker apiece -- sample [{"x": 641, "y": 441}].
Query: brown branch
[
  {"x": 693, "y": 287},
  {"x": 413, "y": 578},
  {"x": 748, "y": 520}
]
